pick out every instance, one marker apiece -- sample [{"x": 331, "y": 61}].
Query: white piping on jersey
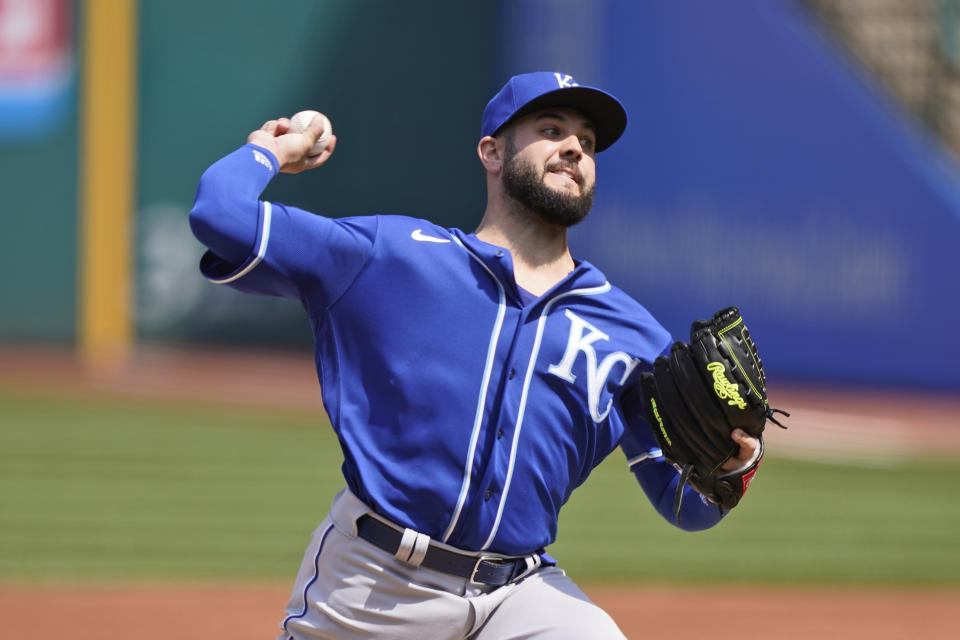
[
  {"x": 481, "y": 402},
  {"x": 261, "y": 249},
  {"x": 541, "y": 323},
  {"x": 649, "y": 455}
]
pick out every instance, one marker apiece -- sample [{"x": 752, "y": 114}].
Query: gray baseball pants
[{"x": 349, "y": 589}]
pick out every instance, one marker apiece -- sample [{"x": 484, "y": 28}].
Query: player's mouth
[{"x": 566, "y": 171}]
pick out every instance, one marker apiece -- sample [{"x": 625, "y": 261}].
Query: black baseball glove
[{"x": 697, "y": 396}]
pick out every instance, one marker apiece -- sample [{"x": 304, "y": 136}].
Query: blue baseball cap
[{"x": 530, "y": 92}]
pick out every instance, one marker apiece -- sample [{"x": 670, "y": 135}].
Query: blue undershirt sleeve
[
  {"x": 658, "y": 479},
  {"x": 270, "y": 248},
  {"x": 226, "y": 210}
]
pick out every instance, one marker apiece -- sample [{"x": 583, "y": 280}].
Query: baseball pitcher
[{"x": 475, "y": 379}]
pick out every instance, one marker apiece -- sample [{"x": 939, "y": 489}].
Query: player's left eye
[{"x": 587, "y": 143}]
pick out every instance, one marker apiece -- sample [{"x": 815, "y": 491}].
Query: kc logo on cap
[{"x": 529, "y": 92}]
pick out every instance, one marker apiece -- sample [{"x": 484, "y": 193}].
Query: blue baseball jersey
[{"x": 466, "y": 408}]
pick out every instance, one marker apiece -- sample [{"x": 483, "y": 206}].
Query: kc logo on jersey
[{"x": 581, "y": 339}]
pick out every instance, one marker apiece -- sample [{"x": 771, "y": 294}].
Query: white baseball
[{"x": 301, "y": 120}]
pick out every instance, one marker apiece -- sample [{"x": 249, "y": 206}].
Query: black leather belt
[{"x": 479, "y": 569}]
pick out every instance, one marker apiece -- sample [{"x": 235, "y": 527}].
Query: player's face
[{"x": 549, "y": 166}]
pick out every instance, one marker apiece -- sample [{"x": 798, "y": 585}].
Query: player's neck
[{"x": 541, "y": 257}]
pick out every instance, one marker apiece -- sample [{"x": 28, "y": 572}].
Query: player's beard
[{"x": 525, "y": 184}]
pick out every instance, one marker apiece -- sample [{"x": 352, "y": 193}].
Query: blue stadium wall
[{"x": 761, "y": 168}]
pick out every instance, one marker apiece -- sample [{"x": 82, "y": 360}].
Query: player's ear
[{"x": 490, "y": 150}]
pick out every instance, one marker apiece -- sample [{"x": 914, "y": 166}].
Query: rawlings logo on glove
[
  {"x": 723, "y": 387},
  {"x": 694, "y": 399}
]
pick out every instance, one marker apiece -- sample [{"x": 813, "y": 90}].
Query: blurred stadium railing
[{"x": 912, "y": 47}]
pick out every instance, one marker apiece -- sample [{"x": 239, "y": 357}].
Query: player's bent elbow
[
  {"x": 203, "y": 222},
  {"x": 696, "y": 514},
  {"x": 218, "y": 214},
  {"x": 694, "y": 526}
]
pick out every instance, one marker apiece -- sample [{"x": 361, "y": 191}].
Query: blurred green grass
[
  {"x": 104, "y": 488},
  {"x": 801, "y": 522}
]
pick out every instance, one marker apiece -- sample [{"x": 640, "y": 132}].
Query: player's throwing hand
[{"x": 291, "y": 149}]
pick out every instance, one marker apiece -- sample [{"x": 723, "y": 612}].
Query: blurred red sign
[
  {"x": 35, "y": 40},
  {"x": 37, "y": 68}
]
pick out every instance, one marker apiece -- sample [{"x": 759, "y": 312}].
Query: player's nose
[{"x": 570, "y": 148}]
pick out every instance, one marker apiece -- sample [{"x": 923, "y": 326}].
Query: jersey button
[
  {"x": 499, "y": 434},
  {"x": 487, "y": 495},
  {"x": 513, "y": 373},
  {"x": 499, "y": 254}
]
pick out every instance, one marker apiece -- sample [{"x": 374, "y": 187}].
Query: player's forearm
[
  {"x": 226, "y": 208},
  {"x": 659, "y": 479}
]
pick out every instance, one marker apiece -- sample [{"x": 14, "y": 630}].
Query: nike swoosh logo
[{"x": 420, "y": 237}]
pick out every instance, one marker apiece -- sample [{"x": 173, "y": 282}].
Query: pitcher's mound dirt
[{"x": 238, "y": 612}]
